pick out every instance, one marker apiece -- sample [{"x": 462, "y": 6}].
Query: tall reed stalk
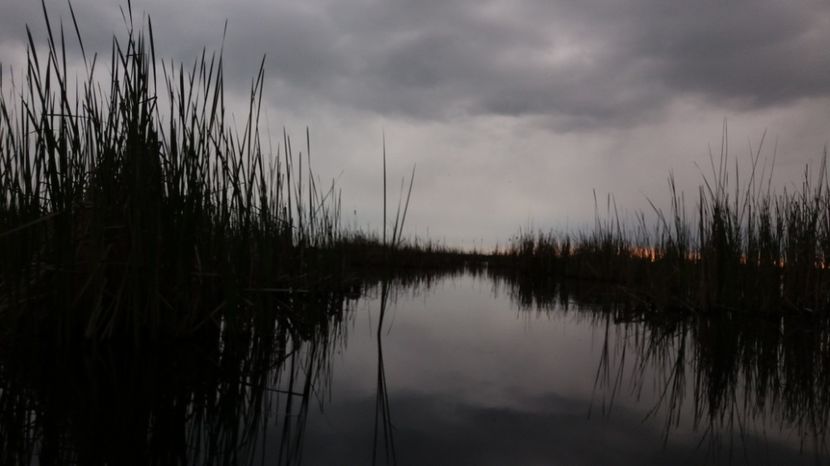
[{"x": 133, "y": 206}]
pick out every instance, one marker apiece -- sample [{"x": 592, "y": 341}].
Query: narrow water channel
[
  {"x": 460, "y": 369},
  {"x": 470, "y": 376}
]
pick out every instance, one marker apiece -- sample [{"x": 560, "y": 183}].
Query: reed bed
[
  {"x": 745, "y": 247},
  {"x": 134, "y": 207}
]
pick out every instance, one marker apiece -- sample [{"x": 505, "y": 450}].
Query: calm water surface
[
  {"x": 458, "y": 372},
  {"x": 462, "y": 375}
]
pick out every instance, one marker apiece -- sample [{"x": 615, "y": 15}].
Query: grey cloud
[
  {"x": 755, "y": 53},
  {"x": 98, "y": 24},
  {"x": 428, "y": 59},
  {"x": 584, "y": 64}
]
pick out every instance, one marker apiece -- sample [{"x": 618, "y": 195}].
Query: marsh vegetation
[
  {"x": 743, "y": 247},
  {"x": 176, "y": 288}
]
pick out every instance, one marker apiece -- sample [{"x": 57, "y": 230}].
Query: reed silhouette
[{"x": 746, "y": 249}]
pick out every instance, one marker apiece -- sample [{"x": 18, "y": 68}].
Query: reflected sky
[
  {"x": 457, "y": 372},
  {"x": 473, "y": 380}
]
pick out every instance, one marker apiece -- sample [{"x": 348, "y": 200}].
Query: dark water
[
  {"x": 466, "y": 370},
  {"x": 472, "y": 378}
]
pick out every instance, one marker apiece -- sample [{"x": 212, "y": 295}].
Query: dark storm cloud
[
  {"x": 586, "y": 63},
  {"x": 99, "y": 23},
  {"x": 756, "y": 53},
  {"x": 581, "y": 63}
]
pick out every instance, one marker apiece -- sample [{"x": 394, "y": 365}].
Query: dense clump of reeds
[
  {"x": 134, "y": 206},
  {"x": 747, "y": 248}
]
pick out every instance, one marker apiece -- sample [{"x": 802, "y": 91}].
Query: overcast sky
[{"x": 514, "y": 111}]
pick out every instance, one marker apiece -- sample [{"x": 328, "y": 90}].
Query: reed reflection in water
[
  {"x": 473, "y": 368},
  {"x": 221, "y": 397},
  {"x": 732, "y": 376}
]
